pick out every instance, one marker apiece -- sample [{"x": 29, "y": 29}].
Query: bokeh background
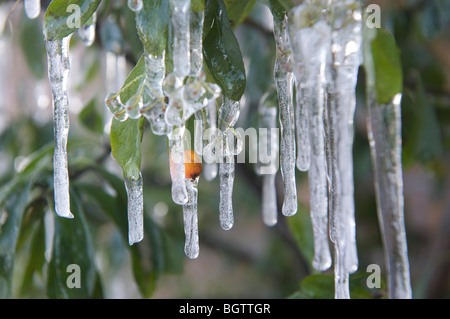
[{"x": 251, "y": 260}]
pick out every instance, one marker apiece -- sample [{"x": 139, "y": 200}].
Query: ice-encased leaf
[
  {"x": 64, "y": 17},
  {"x": 152, "y": 23},
  {"x": 126, "y": 140}
]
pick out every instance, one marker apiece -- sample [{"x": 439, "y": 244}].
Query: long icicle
[
  {"x": 311, "y": 42},
  {"x": 58, "y": 74},
  {"x": 191, "y": 247},
  {"x": 267, "y": 165},
  {"x": 228, "y": 115},
  {"x": 384, "y": 132},
  {"x": 346, "y": 53},
  {"x": 283, "y": 77}
]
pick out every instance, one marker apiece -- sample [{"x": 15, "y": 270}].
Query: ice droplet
[
  {"x": 32, "y": 8},
  {"x": 135, "y": 5}
]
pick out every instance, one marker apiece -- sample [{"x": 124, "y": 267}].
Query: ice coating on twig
[
  {"x": 191, "y": 247},
  {"x": 58, "y": 74},
  {"x": 228, "y": 115},
  {"x": 311, "y": 43},
  {"x": 32, "y": 8},
  {"x": 283, "y": 77},
  {"x": 384, "y": 133},
  {"x": 302, "y": 125},
  {"x": 135, "y": 210}
]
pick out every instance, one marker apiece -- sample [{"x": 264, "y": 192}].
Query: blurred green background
[{"x": 251, "y": 260}]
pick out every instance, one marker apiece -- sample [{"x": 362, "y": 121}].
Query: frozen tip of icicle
[
  {"x": 32, "y": 8},
  {"x": 210, "y": 171},
  {"x": 135, "y": 210},
  {"x": 135, "y": 5},
  {"x": 87, "y": 34}
]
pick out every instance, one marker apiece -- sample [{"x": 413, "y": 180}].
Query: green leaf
[
  {"x": 90, "y": 118},
  {"x": 65, "y": 16},
  {"x": 421, "y": 131},
  {"x": 221, "y": 51},
  {"x": 71, "y": 246},
  {"x": 321, "y": 286},
  {"x": 301, "y": 228},
  {"x": 382, "y": 63},
  {"x": 126, "y": 140},
  {"x": 32, "y": 43},
  {"x": 9, "y": 232},
  {"x": 152, "y": 23},
  {"x": 238, "y": 10}
]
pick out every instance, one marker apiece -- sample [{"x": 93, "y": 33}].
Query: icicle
[
  {"x": 177, "y": 170},
  {"x": 135, "y": 5},
  {"x": 301, "y": 121},
  {"x": 384, "y": 132},
  {"x": 86, "y": 32},
  {"x": 58, "y": 74},
  {"x": 181, "y": 37},
  {"x": 346, "y": 53},
  {"x": 210, "y": 167},
  {"x": 268, "y": 159},
  {"x": 191, "y": 247},
  {"x": 228, "y": 115},
  {"x": 153, "y": 96},
  {"x": 135, "y": 210},
  {"x": 311, "y": 43},
  {"x": 283, "y": 79},
  {"x": 32, "y": 8},
  {"x": 196, "y": 53}
]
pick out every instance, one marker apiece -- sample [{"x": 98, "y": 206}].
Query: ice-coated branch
[{"x": 384, "y": 132}]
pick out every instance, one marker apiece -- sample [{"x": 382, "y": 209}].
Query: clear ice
[
  {"x": 228, "y": 115},
  {"x": 191, "y": 247},
  {"x": 58, "y": 74},
  {"x": 311, "y": 45},
  {"x": 177, "y": 169},
  {"x": 32, "y": 8},
  {"x": 135, "y": 210},
  {"x": 283, "y": 77},
  {"x": 268, "y": 159},
  {"x": 346, "y": 57},
  {"x": 384, "y": 132}
]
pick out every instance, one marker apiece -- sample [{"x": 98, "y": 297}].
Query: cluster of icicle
[
  {"x": 318, "y": 55},
  {"x": 188, "y": 95}
]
